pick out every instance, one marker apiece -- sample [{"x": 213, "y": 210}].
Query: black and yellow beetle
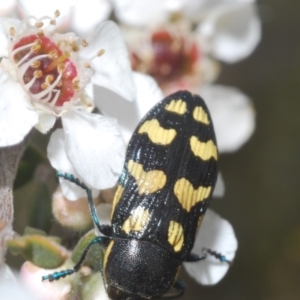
[{"x": 164, "y": 190}]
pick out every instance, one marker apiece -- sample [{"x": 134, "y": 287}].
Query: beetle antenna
[{"x": 94, "y": 215}]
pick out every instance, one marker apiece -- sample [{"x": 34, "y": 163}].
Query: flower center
[
  {"x": 172, "y": 57},
  {"x": 45, "y": 70}
]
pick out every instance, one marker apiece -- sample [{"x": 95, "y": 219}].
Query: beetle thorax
[{"x": 139, "y": 268}]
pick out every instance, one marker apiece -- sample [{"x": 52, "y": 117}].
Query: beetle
[{"x": 163, "y": 192}]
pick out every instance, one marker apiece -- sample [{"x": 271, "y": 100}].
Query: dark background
[
  {"x": 262, "y": 179},
  {"x": 262, "y": 186}
]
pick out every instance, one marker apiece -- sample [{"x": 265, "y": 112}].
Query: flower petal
[
  {"x": 216, "y": 234},
  {"x": 146, "y": 12},
  {"x": 234, "y": 30},
  {"x": 130, "y": 113},
  {"x": 17, "y": 117},
  {"x": 31, "y": 276},
  {"x": 5, "y": 25},
  {"x": 59, "y": 160},
  {"x": 46, "y": 122},
  {"x": 7, "y": 7},
  {"x": 232, "y": 113},
  {"x": 95, "y": 148},
  {"x": 113, "y": 69},
  {"x": 47, "y": 8},
  {"x": 86, "y": 17}
]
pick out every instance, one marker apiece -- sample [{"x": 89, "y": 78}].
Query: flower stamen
[
  {"x": 12, "y": 31},
  {"x": 47, "y": 64},
  {"x": 39, "y": 24}
]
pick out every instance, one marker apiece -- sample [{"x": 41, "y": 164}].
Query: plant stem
[{"x": 9, "y": 161}]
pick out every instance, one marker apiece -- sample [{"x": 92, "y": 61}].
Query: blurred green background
[{"x": 262, "y": 190}]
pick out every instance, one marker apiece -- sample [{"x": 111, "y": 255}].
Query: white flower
[
  {"x": 11, "y": 286},
  {"x": 227, "y": 29},
  {"x": 218, "y": 235},
  {"x": 45, "y": 75},
  {"x": 215, "y": 234},
  {"x": 84, "y": 164},
  {"x": 129, "y": 114},
  {"x": 80, "y": 16},
  {"x": 232, "y": 113},
  {"x": 7, "y": 7}
]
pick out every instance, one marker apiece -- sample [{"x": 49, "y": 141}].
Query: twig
[{"x": 9, "y": 161}]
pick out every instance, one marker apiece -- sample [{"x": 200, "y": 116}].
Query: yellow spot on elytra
[
  {"x": 175, "y": 235},
  {"x": 204, "y": 150},
  {"x": 116, "y": 200},
  {"x": 200, "y": 115},
  {"x": 187, "y": 195},
  {"x": 156, "y": 133},
  {"x": 148, "y": 182},
  {"x": 137, "y": 221},
  {"x": 176, "y": 106},
  {"x": 107, "y": 253}
]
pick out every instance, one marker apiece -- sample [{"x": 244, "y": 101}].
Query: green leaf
[
  {"x": 95, "y": 254},
  {"x": 40, "y": 250}
]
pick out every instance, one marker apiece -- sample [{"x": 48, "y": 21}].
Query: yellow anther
[
  {"x": 44, "y": 85},
  {"x": 53, "y": 54},
  {"x": 67, "y": 54},
  {"x": 38, "y": 74},
  {"x": 40, "y": 33},
  {"x": 49, "y": 79},
  {"x": 57, "y": 13},
  {"x": 60, "y": 68},
  {"x": 35, "y": 64},
  {"x": 53, "y": 22},
  {"x": 84, "y": 43},
  {"x": 75, "y": 48},
  {"x": 100, "y": 52},
  {"x": 35, "y": 48},
  {"x": 75, "y": 83},
  {"x": 12, "y": 31},
  {"x": 87, "y": 65},
  {"x": 39, "y": 24}
]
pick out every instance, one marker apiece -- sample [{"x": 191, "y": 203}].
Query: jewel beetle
[{"x": 163, "y": 192}]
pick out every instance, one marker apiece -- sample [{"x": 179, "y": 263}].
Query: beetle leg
[
  {"x": 217, "y": 255},
  {"x": 102, "y": 240},
  {"x": 179, "y": 286},
  {"x": 192, "y": 257},
  {"x": 104, "y": 229}
]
